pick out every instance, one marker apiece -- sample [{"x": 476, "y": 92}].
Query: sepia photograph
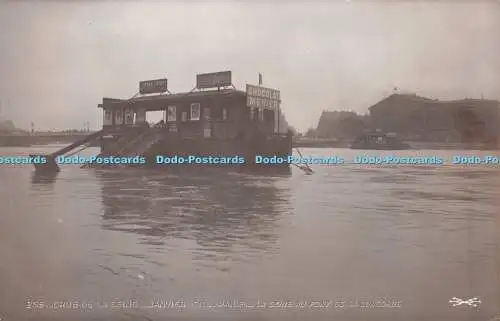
[{"x": 238, "y": 160}]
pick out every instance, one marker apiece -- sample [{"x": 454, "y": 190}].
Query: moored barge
[
  {"x": 378, "y": 141},
  {"x": 213, "y": 121}
]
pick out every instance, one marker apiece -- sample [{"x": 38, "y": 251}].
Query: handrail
[
  {"x": 120, "y": 143},
  {"x": 123, "y": 149},
  {"x": 139, "y": 138},
  {"x": 157, "y": 137},
  {"x": 132, "y": 143}
]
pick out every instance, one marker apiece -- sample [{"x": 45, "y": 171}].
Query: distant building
[
  {"x": 8, "y": 127},
  {"x": 420, "y": 118},
  {"x": 282, "y": 123},
  {"x": 340, "y": 124}
]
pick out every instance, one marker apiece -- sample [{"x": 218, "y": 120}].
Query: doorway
[{"x": 153, "y": 117}]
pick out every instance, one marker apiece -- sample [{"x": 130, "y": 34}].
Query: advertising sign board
[
  {"x": 212, "y": 80},
  {"x": 153, "y": 86}
]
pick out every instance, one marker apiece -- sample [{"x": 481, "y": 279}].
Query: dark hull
[
  {"x": 378, "y": 141},
  {"x": 380, "y": 147},
  {"x": 190, "y": 168},
  {"x": 245, "y": 149},
  {"x": 316, "y": 144}
]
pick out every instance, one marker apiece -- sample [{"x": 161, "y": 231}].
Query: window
[
  {"x": 224, "y": 113},
  {"x": 261, "y": 114},
  {"x": 171, "y": 113},
  {"x": 108, "y": 118},
  {"x": 252, "y": 113},
  {"x": 184, "y": 116},
  {"x": 129, "y": 116},
  {"x": 118, "y": 117},
  {"x": 195, "y": 111}
]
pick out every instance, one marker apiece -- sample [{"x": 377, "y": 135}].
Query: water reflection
[
  {"x": 43, "y": 178},
  {"x": 221, "y": 212}
]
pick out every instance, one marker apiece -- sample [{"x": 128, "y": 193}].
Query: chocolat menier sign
[{"x": 260, "y": 97}]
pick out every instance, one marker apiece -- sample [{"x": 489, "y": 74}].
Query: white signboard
[
  {"x": 172, "y": 114},
  {"x": 207, "y": 132},
  {"x": 172, "y": 128},
  {"x": 212, "y": 80},
  {"x": 260, "y": 97}
]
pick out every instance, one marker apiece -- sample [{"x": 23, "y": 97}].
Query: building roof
[
  {"x": 177, "y": 98},
  {"x": 334, "y": 115},
  {"x": 402, "y": 98},
  {"x": 413, "y": 98}
]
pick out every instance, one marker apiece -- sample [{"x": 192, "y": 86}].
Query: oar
[{"x": 308, "y": 168}]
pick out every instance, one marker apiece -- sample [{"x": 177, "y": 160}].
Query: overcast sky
[{"x": 57, "y": 60}]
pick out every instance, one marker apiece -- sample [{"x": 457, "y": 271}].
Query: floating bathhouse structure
[{"x": 213, "y": 119}]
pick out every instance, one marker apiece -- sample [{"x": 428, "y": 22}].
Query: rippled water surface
[{"x": 334, "y": 241}]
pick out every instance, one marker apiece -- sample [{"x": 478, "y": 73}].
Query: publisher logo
[{"x": 473, "y": 302}]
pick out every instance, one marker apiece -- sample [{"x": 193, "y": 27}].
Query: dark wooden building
[
  {"x": 207, "y": 114},
  {"x": 220, "y": 122}
]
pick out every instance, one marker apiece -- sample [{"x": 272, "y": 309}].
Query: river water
[{"x": 346, "y": 243}]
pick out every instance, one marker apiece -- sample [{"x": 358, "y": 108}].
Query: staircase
[
  {"x": 146, "y": 142},
  {"x": 136, "y": 145},
  {"x": 121, "y": 143},
  {"x": 140, "y": 144}
]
